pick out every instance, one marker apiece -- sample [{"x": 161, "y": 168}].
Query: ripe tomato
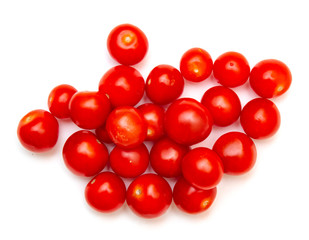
[
  {"x": 127, "y": 44},
  {"x": 164, "y": 84},
  {"x": 202, "y": 168},
  {"x": 102, "y": 134},
  {"x": 149, "y": 196},
  {"x": 223, "y": 104},
  {"x": 187, "y": 121},
  {"x": 89, "y": 110},
  {"x": 166, "y": 156},
  {"x": 154, "y": 117},
  {"x": 237, "y": 152},
  {"x": 123, "y": 85},
  {"x": 38, "y": 131},
  {"x": 196, "y": 65},
  {"x": 58, "y": 100},
  {"x": 231, "y": 69},
  {"x": 270, "y": 78},
  {"x": 83, "y": 154},
  {"x": 191, "y": 199},
  {"x": 106, "y": 192},
  {"x": 129, "y": 163},
  {"x": 126, "y": 127},
  {"x": 260, "y": 118}
]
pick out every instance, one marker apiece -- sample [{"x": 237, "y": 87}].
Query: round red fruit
[{"x": 102, "y": 134}]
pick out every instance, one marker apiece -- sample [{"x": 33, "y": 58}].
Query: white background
[{"x": 46, "y": 43}]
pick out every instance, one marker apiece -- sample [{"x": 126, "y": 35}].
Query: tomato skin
[
  {"x": 187, "y": 121},
  {"x": 83, "y": 154},
  {"x": 270, "y": 78},
  {"x": 102, "y": 134},
  {"x": 127, "y": 44},
  {"x": 106, "y": 192},
  {"x": 38, "y": 131},
  {"x": 237, "y": 152},
  {"x": 129, "y": 163},
  {"x": 202, "y": 168},
  {"x": 164, "y": 84},
  {"x": 223, "y": 104},
  {"x": 231, "y": 69},
  {"x": 126, "y": 127},
  {"x": 191, "y": 199},
  {"x": 196, "y": 65},
  {"x": 149, "y": 196},
  {"x": 58, "y": 100},
  {"x": 260, "y": 118},
  {"x": 166, "y": 156},
  {"x": 89, "y": 110},
  {"x": 154, "y": 117},
  {"x": 124, "y": 85}
]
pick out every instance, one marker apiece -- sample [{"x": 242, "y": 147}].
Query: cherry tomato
[
  {"x": 129, "y": 163},
  {"x": 38, "y": 131},
  {"x": 164, "y": 84},
  {"x": 237, "y": 152},
  {"x": 166, "y": 156},
  {"x": 191, "y": 199},
  {"x": 58, "y": 100},
  {"x": 154, "y": 117},
  {"x": 260, "y": 118},
  {"x": 202, "y": 168},
  {"x": 102, "y": 134},
  {"x": 187, "y": 121},
  {"x": 126, "y": 127},
  {"x": 106, "y": 192},
  {"x": 89, "y": 110},
  {"x": 223, "y": 104},
  {"x": 231, "y": 69},
  {"x": 149, "y": 196},
  {"x": 83, "y": 154},
  {"x": 196, "y": 65},
  {"x": 270, "y": 78},
  {"x": 123, "y": 85}
]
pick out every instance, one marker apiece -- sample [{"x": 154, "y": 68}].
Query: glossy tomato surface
[
  {"x": 237, "y": 152},
  {"x": 127, "y": 44},
  {"x": 196, "y": 65},
  {"x": 187, "y": 121},
  {"x": 83, "y": 154},
  {"x": 106, "y": 192},
  {"x": 123, "y": 85},
  {"x": 149, "y": 196},
  {"x": 260, "y": 118},
  {"x": 38, "y": 131},
  {"x": 270, "y": 78},
  {"x": 102, "y": 134}
]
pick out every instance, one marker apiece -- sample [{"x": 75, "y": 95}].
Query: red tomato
[
  {"x": 237, "y": 152},
  {"x": 260, "y": 118},
  {"x": 149, "y": 196},
  {"x": 270, "y": 78},
  {"x": 196, "y": 65},
  {"x": 102, "y": 134},
  {"x": 106, "y": 192},
  {"x": 127, "y": 44},
  {"x": 164, "y": 84},
  {"x": 202, "y": 168},
  {"x": 129, "y": 163},
  {"x": 187, "y": 121},
  {"x": 223, "y": 104},
  {"x": 123, "y": 85},
  {"x": 154, "y": 117},
  {"x": 58, "y": 100},
  {"x": 38, "y": 131},
  {"x": 89, "y": 110},
  {"x": 126, "y": 127},
  {"x": 84, "y": 155},
  {"x": 191, "y": 199},
  {"x": 231, "y": 69},
  {"x": 166, "y": 156}
]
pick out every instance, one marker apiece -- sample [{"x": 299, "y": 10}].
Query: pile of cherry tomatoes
[{"x": 173, "y": 124}]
